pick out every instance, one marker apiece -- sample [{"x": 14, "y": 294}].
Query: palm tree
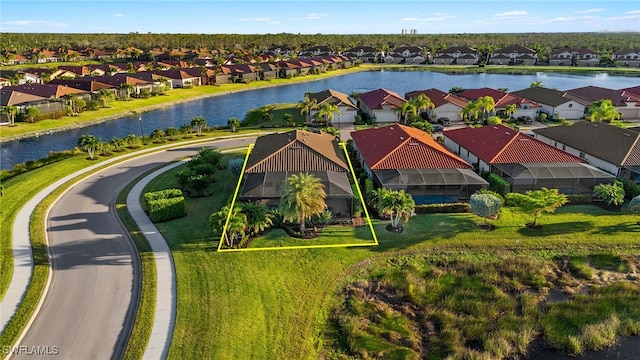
[
  {"x": 185, "y": 129},
  {"x": 11, "y": 112},
  {"x": 603, "y": 110},
  {"x": 487, "y": 105},
  {"x": 157, "y": 135},
  {"x": 307, "y": 105},
  {"x": 235, "y": 227},
  {"x": 327, "y": 112},
  {"x": 423, "y": 103},
  {"x": 104, "y": 96},
  {"x": 536, "y": 84},
  {"x": 259, "y": 218},
  {"x": 70, "y": 100},
  {"x": 407, "y": 108},
  {"x": 126, "y": 89},
  {"x": 393, "y": 203},
  {"x": 234, "y": 124},
  {"x": 199, "y": 122},
  {"x": 117, "y": 143},
  {"x": 302, "y": 196},
  {"x": 510, "y": 110},
  {"x": 89, "y": 143},
  {"x": 470, "y": 112},
  {"x": 172, "y": 132}
]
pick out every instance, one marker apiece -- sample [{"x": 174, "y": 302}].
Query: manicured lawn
[{"x": 253, "y": 304}]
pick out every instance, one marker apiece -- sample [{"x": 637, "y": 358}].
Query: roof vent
[
  {"x": 495, "y": 127},
  {"x": 627, "y": 134},
  {"x": 401, "y": 137}
]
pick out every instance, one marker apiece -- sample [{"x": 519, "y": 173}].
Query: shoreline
[{"x": 364, "y": 67}]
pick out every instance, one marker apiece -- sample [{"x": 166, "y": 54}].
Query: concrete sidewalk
[{"x": 165, "y": 309}]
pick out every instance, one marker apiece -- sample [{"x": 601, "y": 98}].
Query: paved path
[{"x": 89, "y": 306}]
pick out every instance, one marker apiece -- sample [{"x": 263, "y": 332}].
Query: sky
[{"x": 318, "y": 17}]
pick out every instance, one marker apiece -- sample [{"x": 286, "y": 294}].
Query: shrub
[
  {"x": 611, "y": 194},
  {"x": 443, "y": 208},
  {"x": 579, "y": 199},
  {"x": 235, "y": 166},
  {"x": 165, "y": 205},
  {"x": 631, "y": 189},
  {"x": 166, "y": 209},
  {"x": 498, "y": 184}
]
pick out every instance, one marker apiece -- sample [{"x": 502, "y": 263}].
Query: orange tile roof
[
  {"x": 403, "y": 147},
  {"x": 375, "y": 99}
]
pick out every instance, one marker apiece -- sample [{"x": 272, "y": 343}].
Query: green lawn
[{"x": 252, "y": 304}]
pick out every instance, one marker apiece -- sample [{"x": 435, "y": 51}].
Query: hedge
[
  {"x": 579, "y": 199},
  {"x": 443, "y": 208},
  {"x": 165, "y": 205},
  {"x": 499, "y": 185}
]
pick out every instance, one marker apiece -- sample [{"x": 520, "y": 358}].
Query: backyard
[{"x": 282, "y": 304}]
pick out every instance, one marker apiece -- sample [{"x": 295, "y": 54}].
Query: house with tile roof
[
  {"x": 46, "y": 90},
  {"x": 627, "y": 57},
  {"x": 574, "y": 57},
  {"x": 445, "y": 104},
  {"x": 47, "y": 107},
  {"x": 627, "y": 103},
  {"x": 348, "y": 110},
  {"x": 607, "y": 147},
  {"x": 456, "y": 55},
  {"x": 179, "y": 78},
  {"x": 400, "y": 157},
  {"x": 380, "y": 104},
  {"x": 524, "y": 107},
  {"x": 553, "y": 102},
  {"x": 514, "y": 55},
  {"x": 275, "y": 157},
  {"x": 525, "y": 162},
  {"x": 362, "y": 53}
]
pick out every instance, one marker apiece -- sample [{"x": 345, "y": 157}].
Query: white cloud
[
  {"x": 264, "y": 19},
  {"x": 409, "y": 19},
  {"x": 315, "y": 16},
  {"x": 589, "y": 11},
  {"x": 512, "y": 13},
  {"x": 562, "y": 19},
  {"x": 35, "y": 23},
  {"x": 439, "y": 17},
  {"x": 119, "y": 15},
  {"x": 633, "y": 12}
]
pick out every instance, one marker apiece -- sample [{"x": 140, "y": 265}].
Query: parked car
[
  {"x": 437, "y": 128},
  {"x": 524, "y": 120},
  {"x": 444, "y": 121}
]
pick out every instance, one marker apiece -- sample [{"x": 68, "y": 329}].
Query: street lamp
[{"x": 141, "y": 130}]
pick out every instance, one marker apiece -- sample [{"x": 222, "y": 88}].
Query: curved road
[{"x": 91, "y": 303}]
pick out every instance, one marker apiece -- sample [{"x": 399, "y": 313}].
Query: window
[
  {"x": 564, "y": 147},
  {"x": 582, "y": 155}
]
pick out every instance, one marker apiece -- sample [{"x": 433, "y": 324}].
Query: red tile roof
[
  {"x": 499, "y": 144},
  {"x": 500, "y": 98},
  {"x": 438, "y": 97},
  {"x": 401, "y": 147},
  {"x": 377, "y": 98}
]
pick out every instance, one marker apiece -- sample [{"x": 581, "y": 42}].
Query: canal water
[{"x": 218, "y": 109}]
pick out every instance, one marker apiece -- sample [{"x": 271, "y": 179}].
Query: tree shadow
[
  {"x": 557, "y": 229},
  {"x": 107, "y": 251},
  {"x": 626, "y": 227}
]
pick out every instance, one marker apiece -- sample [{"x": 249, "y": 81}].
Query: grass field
[{"x": 279, "y": 304}]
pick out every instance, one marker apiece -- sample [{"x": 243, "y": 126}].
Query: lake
[{"x": 218, "y": 109}]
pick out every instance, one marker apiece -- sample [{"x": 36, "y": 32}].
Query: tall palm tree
[
  {"x": 327, "y": 112},
  {"x": 11, "y": 112},
  {"x": 487, "y": 105},
  {"x": 301, "y": 197},
  {"x": 90, "y": 144},
  {"x": 70, "y": 100},
  {"x": 603, "y": 110},
  {"x": 199, "y": 122},
  {"x": 470, "y": 112},
  {"x": 234, "y": 124},
  {"x": 104, "y": 96},
  {"x": 423, "y": 103},
  {"x": 407, "y": 108},
  {"x": 307, "y": 105},
  {"x": 510, "y": 110},
  {"x": 126, "y": 89}
]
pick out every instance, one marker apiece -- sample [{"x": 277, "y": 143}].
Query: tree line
[{"x": 543, "y": 43}]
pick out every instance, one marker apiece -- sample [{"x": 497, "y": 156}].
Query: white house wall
[{"x": 448, "y": 110}]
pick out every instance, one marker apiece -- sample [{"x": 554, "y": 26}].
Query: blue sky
[{"x": 312, "y": 17}]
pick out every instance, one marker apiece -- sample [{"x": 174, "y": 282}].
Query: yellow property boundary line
[{"x": 235, "y": 195}]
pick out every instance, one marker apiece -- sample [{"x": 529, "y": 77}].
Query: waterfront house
[
  {"x": 524, "y": 107},
  {"x": 275, "y": 157},
  {"x": 445, "y": 104},
  {"x": 525, "y": 162},
  {"x": 456, "y": 55},
  {"x": 362, "y": 53},
  {"x": 607, "y": 147},
  {"x": 574, "y": 57},
  {"x": 627, "y": 57},
  {"x": 627, "y": 103},
  {"x": 380, "y": 104},
  {"x": 514, "y": 55},
  {"x": 348, "y": 110},
  {"x": 554, "y": 103}
]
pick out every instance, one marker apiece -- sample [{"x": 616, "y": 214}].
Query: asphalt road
[{"x": 91, "y": 303}]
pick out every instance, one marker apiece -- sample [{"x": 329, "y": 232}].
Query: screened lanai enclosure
[
  {"x": 432, "y": 186},
  {"x": 265, "y": 187},
  {"x": 568, "y": 178}
]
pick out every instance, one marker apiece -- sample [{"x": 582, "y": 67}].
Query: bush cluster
[
  {"x": 165, "y": 205},
  {"x": 443, "y": 208}
]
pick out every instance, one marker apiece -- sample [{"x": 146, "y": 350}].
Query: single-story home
[
  {"x": 525, "y": 162},
  {"x": 553, "y": 102},
  {"x": 380, "y": 104},
  {"x": 627, "y": 103},
  {"x": 348, "y": 110},
  {"x": 276, "y": 157},
  {"x": 400, "y": 157},
  {"x": 445, "y": 104},
  {"x": 607, "y": 147},
  {"x": 524, "y": 107}
]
